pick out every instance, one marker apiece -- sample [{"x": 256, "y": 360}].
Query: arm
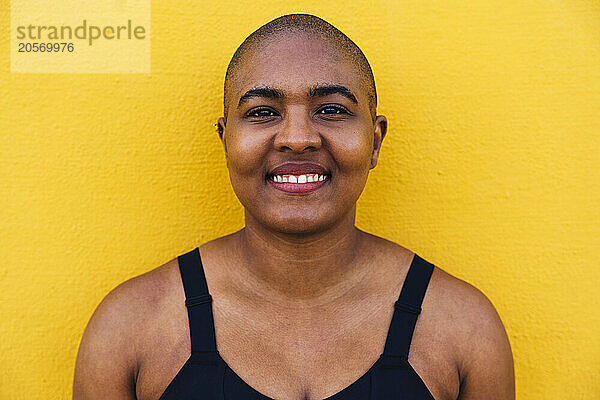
[
  {"x": 486, "y": 364},
  {"x": 105, "y": 367}
]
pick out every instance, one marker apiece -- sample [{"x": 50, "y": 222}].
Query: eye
[
  {"x": 261, "y": 113},
  {"x": 332, "y": 110}
]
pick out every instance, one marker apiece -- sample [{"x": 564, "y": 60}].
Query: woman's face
[{"x": 297, "y": 100}]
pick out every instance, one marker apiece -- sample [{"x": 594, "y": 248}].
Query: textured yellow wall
[{"x": 490, "y": 170}]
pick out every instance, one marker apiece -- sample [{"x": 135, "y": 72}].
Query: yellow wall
[{"x": 490, "y": 170}]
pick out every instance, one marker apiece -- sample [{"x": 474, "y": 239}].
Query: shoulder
[
  {"x": 460, "y": 311},
  {"x": 473, "y": 330},
  {"x": 460, "y": 346},
  {"x": 464, "y": 301},
  {"x": 130, "y": 302},
  {"x": 460, "y": 306},
  {"x": 469, "y": 311},
  {"x": 111, "y": 340}
]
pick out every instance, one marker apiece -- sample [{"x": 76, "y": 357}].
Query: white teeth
[{"x": 299, "y": 178}]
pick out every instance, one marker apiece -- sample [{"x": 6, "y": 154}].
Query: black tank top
[{"x": 206, "y": 376}]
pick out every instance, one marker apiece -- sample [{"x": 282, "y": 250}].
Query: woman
[{"x": 300, "y": 303}]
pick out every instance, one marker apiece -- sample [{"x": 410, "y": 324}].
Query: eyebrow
[
  {"x": 326, "y": 90},
  {"x": 262, "y": 91},
  {"x": 315, "y": 91}
]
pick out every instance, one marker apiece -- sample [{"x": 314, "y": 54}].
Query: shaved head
[{"x": 312, "y": 27}]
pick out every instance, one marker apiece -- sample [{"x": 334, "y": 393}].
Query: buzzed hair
[{"x": 304, "y": 23}]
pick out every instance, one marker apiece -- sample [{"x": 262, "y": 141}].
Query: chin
[{"x": 300, "y": 225}]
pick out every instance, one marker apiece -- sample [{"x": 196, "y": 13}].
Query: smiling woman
[{"x": 300, "y": 303}]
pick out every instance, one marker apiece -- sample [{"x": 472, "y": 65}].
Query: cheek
[
  {"x": 245, "y": 152},
  {"x": 354, "y": 152}
]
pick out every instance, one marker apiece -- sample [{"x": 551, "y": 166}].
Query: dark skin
[{"x": 302, "y": 298}]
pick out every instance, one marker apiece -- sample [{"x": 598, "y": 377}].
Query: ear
[
  {"x": 380, "y": 128},
  {"x": 220, "y": 125}
]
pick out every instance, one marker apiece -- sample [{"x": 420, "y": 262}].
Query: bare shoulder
[
  {"x": 131, "y": 302},
  {"x": 460, "y": 347},
  {"x": 474, "y": 332},
  {"x": 464, "y": 302},
  {"x": 108, "y": 351}
]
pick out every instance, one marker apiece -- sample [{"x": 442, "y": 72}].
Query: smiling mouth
[
  {"x": 303, "y": 183},
  {"x": 298, "y": 179}
]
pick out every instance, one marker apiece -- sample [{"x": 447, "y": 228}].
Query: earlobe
[{"x": 220, "y": 127}]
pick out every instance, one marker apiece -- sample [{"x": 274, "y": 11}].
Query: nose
[{"x": 297, "y": 133}]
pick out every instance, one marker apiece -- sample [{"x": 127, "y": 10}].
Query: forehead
[{"x": 293, "y": 63}]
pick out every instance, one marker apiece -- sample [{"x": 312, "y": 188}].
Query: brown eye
[
  {"x": 332, "y": 110},
  {"x": 261, "y": 113}
]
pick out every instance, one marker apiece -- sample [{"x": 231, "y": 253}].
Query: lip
[
  {"x": 298, "y": 188},
  {"x": 302, "y": 168},
  {"x": 299, "y": 169}
]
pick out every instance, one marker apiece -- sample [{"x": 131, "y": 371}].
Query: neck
[{"x": 305, "y": 270}]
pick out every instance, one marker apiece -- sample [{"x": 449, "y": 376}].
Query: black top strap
[
  {"x": 407, "y": 309},
  {"x": 198, "y": 302}
]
